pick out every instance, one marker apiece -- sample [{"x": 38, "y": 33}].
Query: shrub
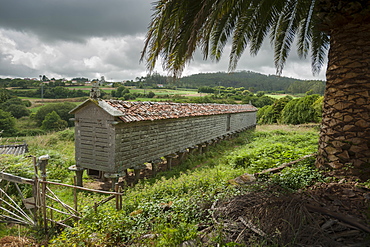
[
  {"x": 272, "y": 114},
  {"x": 299, "y": 111},
  {"x": 30, "y": 132},
  {"x": 17, "y": 111},
  {"x": 53, "y": 121},
  {"x": 150, "y": 94},
  {"x": 7, "y": 123},
  {"x": 62, "y": 109},
  {"x": 66, "y": 135},
  {"x": 16, "y": 107}
]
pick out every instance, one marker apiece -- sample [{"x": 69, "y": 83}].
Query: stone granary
[{"x": 112, "y": 136}]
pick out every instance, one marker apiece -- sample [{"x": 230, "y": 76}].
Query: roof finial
[{"x": 95, "y": 91}]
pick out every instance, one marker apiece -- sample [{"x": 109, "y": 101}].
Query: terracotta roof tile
[{"x": 142, "y": 111}]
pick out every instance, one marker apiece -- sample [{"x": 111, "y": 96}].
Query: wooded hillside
[{"x": 254, "y": 82}]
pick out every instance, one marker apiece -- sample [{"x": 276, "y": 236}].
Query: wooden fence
[{"x": 41, "y": 208}]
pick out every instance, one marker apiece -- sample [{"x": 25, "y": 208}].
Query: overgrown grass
[
  {"x": 172, "y": 207},
  {"x": 59, "y": 146}
]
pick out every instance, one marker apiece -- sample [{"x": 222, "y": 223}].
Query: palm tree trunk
[{"x": 344, "y": 144}]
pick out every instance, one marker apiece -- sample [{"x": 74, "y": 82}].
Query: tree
[
  {"x": 16, "y": 107},
  {"x": 206, "y": 89},
  {"x": 62, "y": 109},
  {"x": 272, "y": 113},
  {"x": 299, "y": 111},
  {"x": 178, "y": 27},
  {"x": 17, "y": 111},
  {"x": 53, "y": 121},
  {"x": 150, "y": 94},
  {"x": 4, "y": 95},
  {"x": 7, "y": 123}
]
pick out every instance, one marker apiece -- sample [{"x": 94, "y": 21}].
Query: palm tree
[{"x": 338, "y": 29}]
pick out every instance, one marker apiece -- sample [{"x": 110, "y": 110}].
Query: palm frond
[
  {"x": 320, "y": 47},
  {"x": 179, "y": 27},
  {"x": 304, "y": 35}
]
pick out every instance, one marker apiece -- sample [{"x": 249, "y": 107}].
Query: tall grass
[{"x": 171, "y": 208}]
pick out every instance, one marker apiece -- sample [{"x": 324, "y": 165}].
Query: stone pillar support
[
  {"x": 169, "y": 159},
  {"x": 155, "y": 164},
  {"x": 79, "y": 172}
]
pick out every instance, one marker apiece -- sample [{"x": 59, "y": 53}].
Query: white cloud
[{"x": 91, "y": 37}]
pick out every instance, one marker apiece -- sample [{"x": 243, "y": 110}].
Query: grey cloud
[
  {"x": 73, "y": 20},
  {"x": 70, "y": 38},
  {"x": 8, "y": 69}
]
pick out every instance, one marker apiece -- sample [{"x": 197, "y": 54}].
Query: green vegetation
[
  {"x": 254, "y": 82},
  {"x": 7, "y": 123},
  {"x": 62, "y": 109},
  {"x": 53, "y": 121},
  {"x": 173, "y": 206},
  {"x": 287, "y": 110},
  {"x": 30, "y": 113},
  {"x": 23, "y": 102},
  {"x": 17, "y": 107}
]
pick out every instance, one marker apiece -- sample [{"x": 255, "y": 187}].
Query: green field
[
  {"x": 145, "y": 90},
  {"x": 279, "y": 96},
  {"x": 184, "y": 92}
]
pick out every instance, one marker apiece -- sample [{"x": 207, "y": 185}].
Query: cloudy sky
[{"x": 93, "y": 38}]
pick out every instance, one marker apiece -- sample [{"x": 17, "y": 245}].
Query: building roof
[
  {"x": 17, "y": 149},
  {"x": 144, "y": 111}
]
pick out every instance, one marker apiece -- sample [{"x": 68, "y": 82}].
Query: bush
[
  {"x": 299, "y": 111},
  {"x": 150, "y": 94},
  {"x": 7, "y": 123},
  {"x": 53, "y": 121},
  {"x": 17, "y": 111},
  {"x": 62, "y": 109},
  {"x": 272, "y": 114},
  {"x": 30, "y": 132},
  {"x": 16, "y": 107},
  {"x": 66, "y": 135}
]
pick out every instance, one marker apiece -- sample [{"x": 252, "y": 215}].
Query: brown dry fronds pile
[
  {"x": 331, "y": 214},
  {"x": 12, "y": 241}
]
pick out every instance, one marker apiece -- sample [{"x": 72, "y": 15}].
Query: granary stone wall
[
  {"x": 94, "y": 145},
  {"x": 112, "y": 136},
  {"x": 140, "y": 142}
]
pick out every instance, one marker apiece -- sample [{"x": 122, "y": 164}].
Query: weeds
[{"x": 168, "y": 210}]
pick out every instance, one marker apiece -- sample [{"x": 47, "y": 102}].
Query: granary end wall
[
  {"x": 140, "y": 142},
  {"x": 94, "y": 144}
]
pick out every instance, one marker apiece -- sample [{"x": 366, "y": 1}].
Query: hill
[{"x": 254, "y": 82}]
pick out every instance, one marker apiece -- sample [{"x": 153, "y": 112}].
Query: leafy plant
[
  {"x": 297, "y": 177},
  {"x": 168, "y": 210}
]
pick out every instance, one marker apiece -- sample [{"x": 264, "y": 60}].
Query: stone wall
[
  {"x": 104, "y": 143},
  {"x": 94, "y": 139},
  {"x": 140, "y": 142}
]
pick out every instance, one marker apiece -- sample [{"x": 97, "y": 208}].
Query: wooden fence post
[
  {"x": 75, "y": 183},
  {"x": 43, "y": 161},
  {"x": 36, "y": 192},
  {"x": 118, "y": 197}
]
